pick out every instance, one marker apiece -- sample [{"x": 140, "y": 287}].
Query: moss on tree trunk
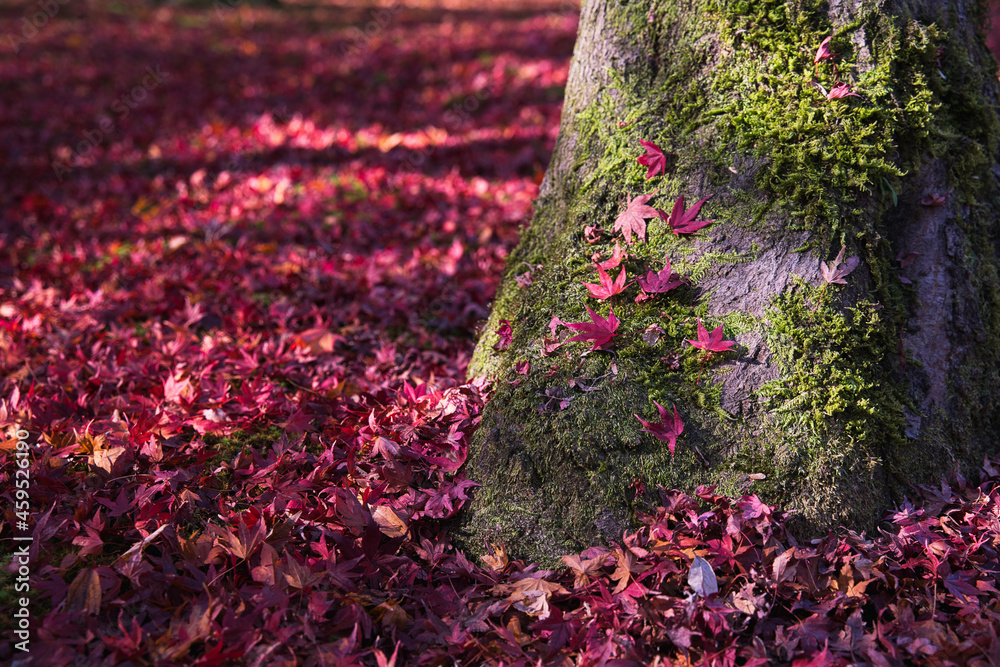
[{"x": 840, "y": 396}]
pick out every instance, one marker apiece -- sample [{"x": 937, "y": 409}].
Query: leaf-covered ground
[{"x": 243, "y": 255}]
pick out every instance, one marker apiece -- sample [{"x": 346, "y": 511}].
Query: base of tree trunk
[{"x": 837, "y": 397}]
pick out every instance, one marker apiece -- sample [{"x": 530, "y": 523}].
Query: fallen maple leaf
[
  {"x": 907, "y": 259},
  {"x": 711, "y": 342},
  {"x": 753, "y": 507},
  {"x": 506, "y": 336},
  {"x": 607, "y": 288},
  {"x": 935, "y": 199},
  {"x": 702, "y": 578},
  {"x": 841, "y": 90},
  {"x": 390, "y": 523},
  {"x": 823, "y": 52},
  {"x": 633, "y": 218},
  {"x": 820, "y": 659},
  {"x": 654, "y": 158},
  {"x": 531, "y": 595},
  {"x": 84, "y": 594},
  {"x": 657, "y": 283},
  {"x": 498, "y": 559},
  {"x": 584, "y": 570},
  {"x": 592, "y": 234},
  {"x": 836, "y": 271},
  {"x": 652, "y": 333},
  {"x": 318, "y": 340},
  {"x": 600, "y": 331},
  {"x": 683, "y": 222},
  {"x": 667, "y": 430},
  {"x": 554, "y": 324},
  {"x": 617, "y": 255}
]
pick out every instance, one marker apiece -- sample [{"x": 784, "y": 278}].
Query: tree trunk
[{"x": 837, "y": 397}]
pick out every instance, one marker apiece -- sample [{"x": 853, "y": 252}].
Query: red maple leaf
[
  {"x": 669, "y": 428},
  {"x": 753, "y": 508},
  {"x": 836, "y": 271},
  {"x": 821, "y": 659},
  {"x": 599, "y": 330},
  {"x": 664, "y": 281},
  {"x": 617, "y": 256},
  {"x": 824, "y": 52},
  {"x": 683, "y": 222},
  {"x": 654, "y": 158},
  {"x": 711, "y": 342},
  {"x": 606, "y": 289},
  {"x": 841, "y": 90},
  {"x": 505, "y": 334},
  {"x": 633, "y": 218}
]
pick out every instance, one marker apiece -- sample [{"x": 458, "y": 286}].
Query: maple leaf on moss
[
  {"x": 607, "y": 288},
  {"x": 617, "y": 255},
  {"x": 683, "y": 222},
  {"x": 824, "y": 52},
  {"x": 633, "y": 218},
  {"x": 662, "y": 281},
  {"x": 840, "y": 91},
  {"x": 599, "y": 330},
  {"x": 711, "y": 342},
  {"x": 654, "y": 158},
  {"x": 838, "y": 269},
  {"x": 506, "y": 335},
  {"x": 667, "y": 430}
]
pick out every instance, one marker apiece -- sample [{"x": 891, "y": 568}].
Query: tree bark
[{"x": 837, "y": 398}]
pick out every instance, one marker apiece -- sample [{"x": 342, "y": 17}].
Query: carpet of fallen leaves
[{"x": 243, "y": 256}]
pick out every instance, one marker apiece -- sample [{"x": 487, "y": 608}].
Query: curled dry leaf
[
  {"x": 390, "y": 523},
  {"x": 701, "y": 578}
]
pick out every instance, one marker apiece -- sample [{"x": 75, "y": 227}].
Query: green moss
[
  {"x": 833, "y": 365},
  {"x": 230, "y": 446}
]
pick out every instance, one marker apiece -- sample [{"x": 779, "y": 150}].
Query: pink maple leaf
[
  {"x": 823, "y": 52},
  {"x": 664, "y": 281},
  {"x": 617, "y": 256},
  {"x": 633, "y": 218},
  {"x": 607, "y": 288},
  {"x": 506, "y": 336},
  {"x": 836, "y": 271},
  {"x": 683, "y": 222},
  {"x": 935, "y": 199},
  {"x": 753, "y": 508},
  {"x": 711, "y": 342},
  {"x": 599, "y": 330},
  {"x": 654, "y": 158},
  {"x": 669, "y": 428},
  {"x": 841, "y": 90}
]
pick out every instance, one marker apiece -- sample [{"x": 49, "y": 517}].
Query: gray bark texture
[{"x": 837, "y": 397}]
